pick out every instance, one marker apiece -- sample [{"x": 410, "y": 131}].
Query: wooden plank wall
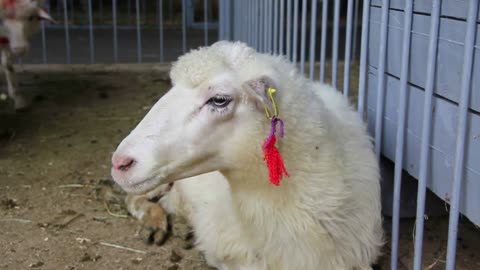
[{"x": 447, "y": 93}]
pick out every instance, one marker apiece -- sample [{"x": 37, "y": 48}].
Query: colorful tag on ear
[{"x": 271, "y": 155}]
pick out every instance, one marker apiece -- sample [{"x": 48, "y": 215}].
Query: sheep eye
[{"x": 219, "y": 101}]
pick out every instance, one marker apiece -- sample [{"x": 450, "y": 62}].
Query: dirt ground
[{"x": 55, "y": 158}]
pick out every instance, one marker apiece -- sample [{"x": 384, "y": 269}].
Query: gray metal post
[
  {"x": 303, "y": 36},
  {"x": 44, "y": 44},
  {"x": 426, "y": 133},
  {"x": 275, "y": 27},
  {"x": 205, "y": 22},
  {"x": 400, "y": 139},
  {"x": 382, "y": 57},
  {"x": 139, "y": 34},
  {"x": 348, "y": 46},
  {"x": 355, "y": 29},
  {"x": 90, "y": 31},
  {"x": 313, "y": 29},
  {"x": 184, "y": 26},
  {"x": 115, "y": 37},
  {"x": 282, "y": 28},
  {"x": 295, "y": 31},
  {"x": 67, "y": 32},
  {"x": 461, "y": 132},
  {"x": 160, "y": 29},
  {"x": 323, "y": 39},
  {"x": 362, "y": 80},
  {"x": 336, "y": 30},
  {"x": 289, "y": 29}
]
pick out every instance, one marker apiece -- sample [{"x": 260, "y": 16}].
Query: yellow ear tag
[{"x": 271, "y": 92}]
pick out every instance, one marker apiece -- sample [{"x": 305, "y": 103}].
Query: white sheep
[
  {"x": 19, "y": 20},
  {"x": 210, "y": 128}
]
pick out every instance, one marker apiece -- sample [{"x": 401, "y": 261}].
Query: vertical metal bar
[
  {"x": 115, "y": 37},
  {"x": 184, "y": 26},
  {"x": 265, "y": 26},
  {"x": 461, "y": 133},
  {"x": 269, "y": 26},
  {"x": 323, "y": 46},
  {"x": 289, "y": 29},
  {"x": 336, "y": 30},
  {"x": 139, "y": 34},
  {"x": 400, "y": 139},
  {"x": 382, "y": 57},
  {"x": 160, "y": 28},
  {"x": 205, "y": 21},
  {"x": 255, "y": 24},
  {"x": 250, "y": 22},
  {"x": 355, "y": 29},
  {"x": 44, "y": 44},
  {"x": 282, "y": 21},
  {"x": 426, "y": 133},
  {"x": 303, "y": 36},
  {"x": 275, "y": 26},
  {"x": 362, "y": 80},
  {"x": 44, "y": 36},
  {"x": 348, "y": 46},
  {"x": 67, "y": 32},
  {"x": 221, "y": 19},
  {"x": 313, "y": 30},
  {"x": 295, "y": 31},
  {"x": 90, "y": 31}
]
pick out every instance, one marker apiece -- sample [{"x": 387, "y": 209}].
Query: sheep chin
[{"x": 141, "y": 187}]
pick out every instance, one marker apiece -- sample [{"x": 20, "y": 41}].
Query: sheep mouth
[{"x": 143, "y": 186}]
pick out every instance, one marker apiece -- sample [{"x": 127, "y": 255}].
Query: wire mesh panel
[{"x": 133, "y": 31}]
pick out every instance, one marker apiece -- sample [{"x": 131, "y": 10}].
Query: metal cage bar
[
  {"x": 282, "y": 21},
  {"x": 461, "y": 132},
  {"x": 348, "y": 46},
  {"x": 160, "y": 31},
  {"x": 184, "y": 26},
  {"x": 362, "y": 80},
  {"x": 313, "y": 27},
  {"x": 295, "y": 31},
  {"x": 400, "y": 139},
  {"x": 115, "y": 33},
  {"x": 139, "y": 34},
  {"x": 336, "y": 30},
  {"x": 323, "y": 46},
  {"x": 67, "y": 33},
  {"x": 426, "y": 134},
  {"x": 382, "y": 57},
  {"x": 289, "y": 29},
  {"x": 205, "y": 22},
  {"x": 90, "y": 31},
  {"x": 303, "y": 36}
]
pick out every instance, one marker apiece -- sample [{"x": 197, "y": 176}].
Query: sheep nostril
[{"x": 124, "y": 163}]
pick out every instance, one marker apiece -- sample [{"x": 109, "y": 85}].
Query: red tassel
[{"x": 271, "y": 155}]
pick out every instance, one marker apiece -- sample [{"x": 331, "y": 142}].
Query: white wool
[{"x": 325, "y": 216}]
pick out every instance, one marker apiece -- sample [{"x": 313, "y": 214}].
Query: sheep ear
[
  {"x": 257, "y": 88},
  {"x": 43, "y": 15}
]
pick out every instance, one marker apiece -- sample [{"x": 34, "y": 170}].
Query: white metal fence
[{"x": 323, "y": 37}]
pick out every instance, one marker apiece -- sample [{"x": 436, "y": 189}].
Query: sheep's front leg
[
  {"x": 7, "y": 63},
  {"x": 151, "y": 215}
]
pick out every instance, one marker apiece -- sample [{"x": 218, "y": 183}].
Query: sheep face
[
  {"x": 20, "y": 19},
  {"x": 216, "y": 125}
]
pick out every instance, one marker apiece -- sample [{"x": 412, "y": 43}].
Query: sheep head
[
  {"x": 20, "y": 19},
  {"x": 213, "y": 118}
]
